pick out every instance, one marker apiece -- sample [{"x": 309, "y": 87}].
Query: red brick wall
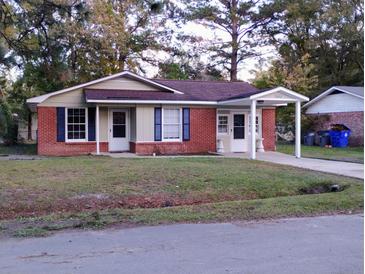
[
  {"x": 353, "y": 120},
  {"x": 202, "y": 136},
  {"x": 47, "y": 137},
  {"x": 268, "y": 128}
]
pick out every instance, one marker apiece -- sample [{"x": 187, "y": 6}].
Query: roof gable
[
  {"x": 351, "y": 90},
  {"x": 126, "y": 74}
]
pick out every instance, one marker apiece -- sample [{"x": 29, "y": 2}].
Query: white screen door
[
  {"x": 118, "y": 130},
  {"x": 239, "y": 143}
]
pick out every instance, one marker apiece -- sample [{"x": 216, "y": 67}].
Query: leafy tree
[
  {"x": 330, "y": 32},
  {"x": 236, "y": 19},
  {"x": 118, "y": 35},
  {"x": 300, "y": 78}
]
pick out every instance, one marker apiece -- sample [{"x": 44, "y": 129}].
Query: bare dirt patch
[{"x": 92, "y": 202}]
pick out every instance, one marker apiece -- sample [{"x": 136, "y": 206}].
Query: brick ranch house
[
  {"x": 340, "y": 105},
  {"x": 127, "y": 112}
]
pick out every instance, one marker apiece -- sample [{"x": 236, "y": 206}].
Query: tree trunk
[
  {"x": 234, "y": 54},
  {"x": 30, "y": 125}
]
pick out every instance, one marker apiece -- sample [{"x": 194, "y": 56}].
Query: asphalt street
[{"x": 328, "y": 244}]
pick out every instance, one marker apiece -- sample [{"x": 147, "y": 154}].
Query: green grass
[
  {"x": 345, "y": 202},
  {"x": 30, "y": 232},
  {"x": 348, "y": 154},
  {"x": 59, "y": 193},
  {"x": 21, "y": 149}
]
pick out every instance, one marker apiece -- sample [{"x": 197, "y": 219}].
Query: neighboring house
[
  {"x": 127, "y": 112},
  {"x": 340, "y": 105}
]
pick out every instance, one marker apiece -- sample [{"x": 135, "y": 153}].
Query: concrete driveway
[
  {"x": 332, "y": 244},
  {"x": 335, "y": 167}
]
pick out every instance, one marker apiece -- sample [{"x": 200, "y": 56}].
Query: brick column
[{"x": 268, "y": 129}]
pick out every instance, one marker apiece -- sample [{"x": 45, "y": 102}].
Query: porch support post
[
  {"x": 297, "y": 129},
  {"x": 253, "y": 130},
  {"x": 97, "y": 131}
]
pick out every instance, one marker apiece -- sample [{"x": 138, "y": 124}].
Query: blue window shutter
[
  {"x": 186, "y": 124},
  {"x": 158, "y": 124},
  {"x": 91, "y": 124},
  {"x": 60, "y": 124}
]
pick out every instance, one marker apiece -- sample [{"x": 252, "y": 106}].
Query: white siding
[
  {"x": 145, "y": 116},
  {"x": 340, "y": 102},
  {"x": 122, "y": 83}
]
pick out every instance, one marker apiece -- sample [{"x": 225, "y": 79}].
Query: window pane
[
  {"x": 239, "y": 133},
  {"x": 222, "y": 129},
  {"x": 223, "y": 124},
  {"x": 119, "y": 131},
  {"x": 119, "y": 118},
  {"x": 76, "y": 123},
  {"x": 172, "y": 116},
  {"x": 239, "y": 120},
  {"x": 223, "y": 119},
  {"x": 171, "y": 124},
  {"x": 171, "y": 131}
]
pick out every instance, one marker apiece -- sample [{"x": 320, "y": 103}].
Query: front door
[
  {"x": 118, "y": 130},
  {"x": 239, "y": 143}
]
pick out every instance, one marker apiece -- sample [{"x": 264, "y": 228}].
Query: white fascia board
[
  {"x": 282, "y": 89},
  {"x": 327, "y": 92},
  {"x": 234, "y": 101},
  {"x": 41, "y": 98},
  {"x": 152, "y": 102}
]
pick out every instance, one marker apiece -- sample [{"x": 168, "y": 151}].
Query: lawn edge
[{"x": 349, "y": 201}]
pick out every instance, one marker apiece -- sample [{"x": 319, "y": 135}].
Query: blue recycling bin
[
  {"x": 324, "y": 138},
  {"x": 309, "y": 139},
  {"x": 339, "y": 137}
]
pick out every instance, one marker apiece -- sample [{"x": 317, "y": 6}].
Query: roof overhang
[
  {"x": 274, "y": 97},
  {"x": 329, "y": 91},
  {"x": 151, "y": 102},
  {"x": 40, "y": 99}
]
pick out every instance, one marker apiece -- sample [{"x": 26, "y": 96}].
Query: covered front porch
[
  {"x": 116, "y": 126},
  {"x": 234, "y": 111},
  {"x": 123, "y": 126}
]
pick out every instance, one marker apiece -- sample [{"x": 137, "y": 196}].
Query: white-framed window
[
  {"x": 222, "y": 124},
  {"x": 76, "y": 124},
  {"x": 171, "y": 124},
  {"x": 257, "y": 124}
]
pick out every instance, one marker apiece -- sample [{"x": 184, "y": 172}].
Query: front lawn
[
  {"x": 348, "y": 154},
  {"x": 58, "y": 193}
]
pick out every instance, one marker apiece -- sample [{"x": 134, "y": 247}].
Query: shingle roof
[{"x": 193, "y": 91}]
